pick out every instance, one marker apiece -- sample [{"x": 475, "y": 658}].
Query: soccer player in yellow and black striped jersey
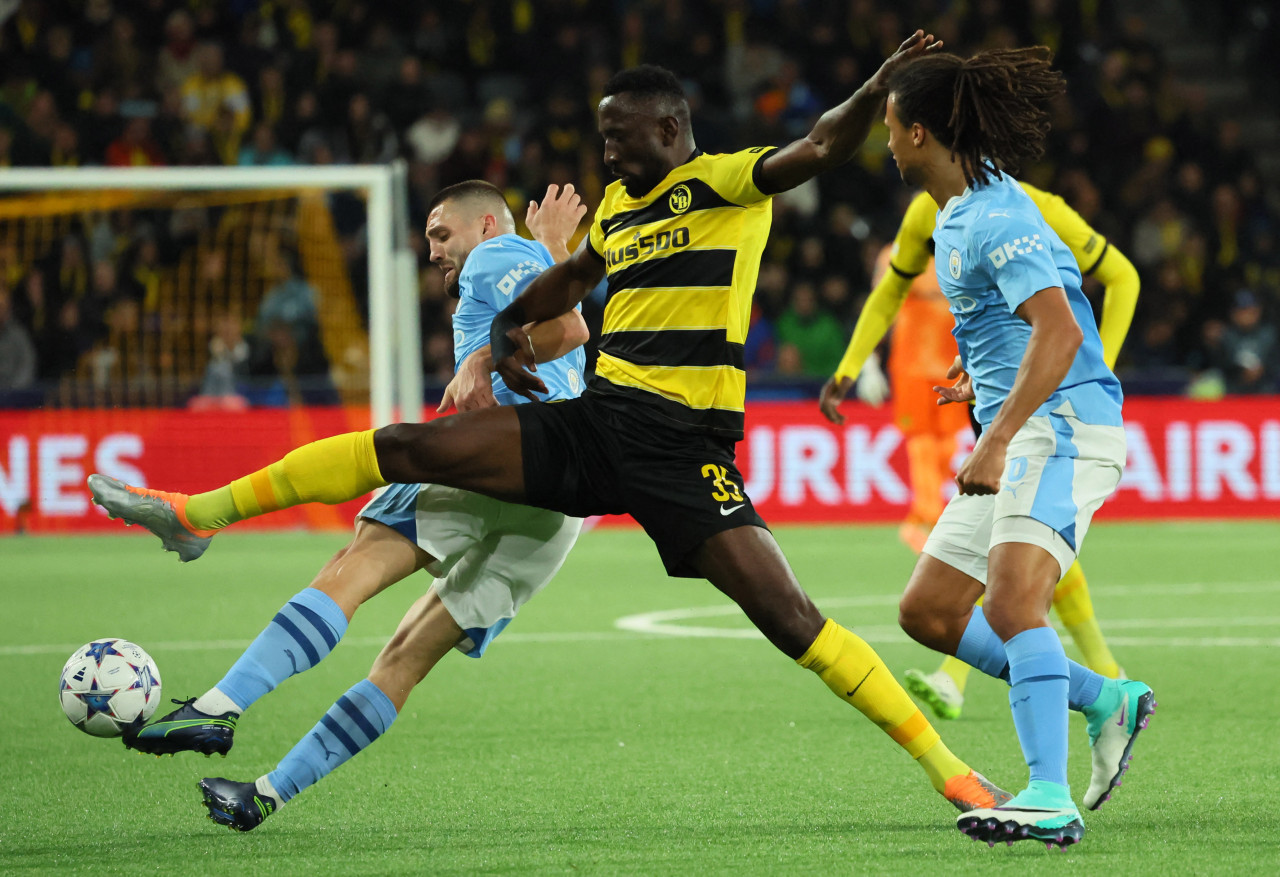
[
  {"x": 695, "y": 239},
  {"x": 679, "y": 237},
  {"x": 912, "y": 250}
]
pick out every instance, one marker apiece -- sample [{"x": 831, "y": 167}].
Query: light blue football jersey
[
  {"x": 495, "y": 273},
  {"x": 993, "y": 251}
]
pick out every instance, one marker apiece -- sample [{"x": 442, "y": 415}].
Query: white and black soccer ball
[{"x": 107, "y": 685}]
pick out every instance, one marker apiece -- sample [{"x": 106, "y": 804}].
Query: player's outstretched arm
[
  {"x": 878, "y": 314},
  {"x": 841, "y": 131},
  {"x": 472, "y": 388}
]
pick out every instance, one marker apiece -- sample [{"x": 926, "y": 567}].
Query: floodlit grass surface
[{"x": 578, "y": 746}]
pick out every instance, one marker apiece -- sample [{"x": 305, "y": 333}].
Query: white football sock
[
  {"x": 214, "y": 703},
  {"x": 264, "y": 787}
]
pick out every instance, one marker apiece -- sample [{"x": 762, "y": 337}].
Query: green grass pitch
[{"x": 577, "y": 746}]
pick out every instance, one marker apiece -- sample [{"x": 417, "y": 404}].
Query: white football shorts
[
  {"x": 1058, "y": 472},
  {"x": 489, "y": 557}
]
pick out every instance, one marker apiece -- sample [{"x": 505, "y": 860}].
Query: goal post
[{"x": 395, "y": 346}]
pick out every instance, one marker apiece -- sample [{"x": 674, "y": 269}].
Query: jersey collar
[{"x": 947, "y": 209}]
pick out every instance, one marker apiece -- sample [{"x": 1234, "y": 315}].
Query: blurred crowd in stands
[{"x": 505, "y": 90}]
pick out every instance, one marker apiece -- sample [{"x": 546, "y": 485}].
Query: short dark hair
[
  {"x": 468, "y": 189},
  {"x": 647, "y": 80},
  {"x": 994, "y": 105}
]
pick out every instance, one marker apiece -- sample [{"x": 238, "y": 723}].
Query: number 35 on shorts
[{"x": 723, "y": 487}]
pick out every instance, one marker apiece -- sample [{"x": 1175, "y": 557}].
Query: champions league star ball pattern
[{"x": 107, "y": 685}]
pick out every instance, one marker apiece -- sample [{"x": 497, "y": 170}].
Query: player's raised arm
[
  {"x": 841, "y": 130},
  {"x": 1120, "y": 283},
  {"x": 553, "y": 222}
]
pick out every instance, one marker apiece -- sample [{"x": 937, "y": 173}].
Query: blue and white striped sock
[
  {"x": 302, "y": 633},
  {"x": 360, "y": 716}
]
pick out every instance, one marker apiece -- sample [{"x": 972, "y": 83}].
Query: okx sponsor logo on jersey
[{"x": 1017, "y": 247}]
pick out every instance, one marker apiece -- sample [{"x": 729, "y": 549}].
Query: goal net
[{"x": 215, "y": 287}]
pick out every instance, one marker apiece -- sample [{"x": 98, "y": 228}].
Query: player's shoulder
[
  {"x": 498, "y": 253},
  {"x": 508, "y": 246},
  {"x": 1069, "y": 225},
  {"x": 492, "y": 261},
  {"x": 749, "y": 155},
  {"x": 1002, "y": 205}
]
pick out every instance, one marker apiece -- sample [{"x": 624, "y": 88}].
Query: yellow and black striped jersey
[{"x": 681, "y": 265}]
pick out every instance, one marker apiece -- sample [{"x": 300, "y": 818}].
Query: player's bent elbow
[
  {"x": 1072, "y": 337},
  {"x": 576, "y": 332}
]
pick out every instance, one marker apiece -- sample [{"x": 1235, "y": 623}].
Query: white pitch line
[
  {"x": 665, "y": 622},
  {"x": 217, "y": 645},
  {"x": 655, "y": 625}
]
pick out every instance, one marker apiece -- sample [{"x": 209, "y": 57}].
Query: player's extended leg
[
  {"x": 1020, "y": 582},
  {"x": 926, "y": 489},
  {"x": 937, "y": 610},
  {"x": 1075, "y": 608},
  {"x": 479, "y": 451},
  {"x": 943, "y": 690},
  {"x": 357, "y": 718},
  {"x": 300, "y": 635},
  {"x": 747, "y": 565}
]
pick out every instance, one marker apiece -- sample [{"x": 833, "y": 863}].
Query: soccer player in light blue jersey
[
  {"x": 1052, "y": 445},
  {"x": 489, "y": 557}
]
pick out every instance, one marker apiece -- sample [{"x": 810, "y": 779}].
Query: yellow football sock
[
  {"x": 213, "y": 510},
  {"x": 331, "y": 470},
  {"x": 854, "y": 671},
  {"x": 958, "y": 671},
  {"x": 1075, "y": 608}
]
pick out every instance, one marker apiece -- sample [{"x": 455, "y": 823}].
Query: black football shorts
[{"x": 596, "y": 455}]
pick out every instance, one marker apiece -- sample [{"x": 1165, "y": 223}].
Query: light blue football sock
[
  {"x": 981, "y": 648},
  {"x": 302, "y": 633},
  {"x": 360, "y": 716},
  {"x": 1038, "y": 674}
]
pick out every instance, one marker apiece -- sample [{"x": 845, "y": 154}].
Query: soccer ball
[{"x": 107, "y": 685}]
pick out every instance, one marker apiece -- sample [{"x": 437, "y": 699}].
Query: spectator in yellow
[{"x": 211, "y": 90}]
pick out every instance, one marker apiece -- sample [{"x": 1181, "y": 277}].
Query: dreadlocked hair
[{"x": 991, "y": 108}]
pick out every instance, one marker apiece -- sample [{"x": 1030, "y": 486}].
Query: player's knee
[
  {"x": 403, "y": 451},
  {"x": 800, "y": 634},
  {"x": 920, "y": 621},
  {"x": 1007, "y": 619}
]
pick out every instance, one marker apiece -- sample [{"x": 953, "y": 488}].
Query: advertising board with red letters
[{"x": 1186, "y": 460}]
